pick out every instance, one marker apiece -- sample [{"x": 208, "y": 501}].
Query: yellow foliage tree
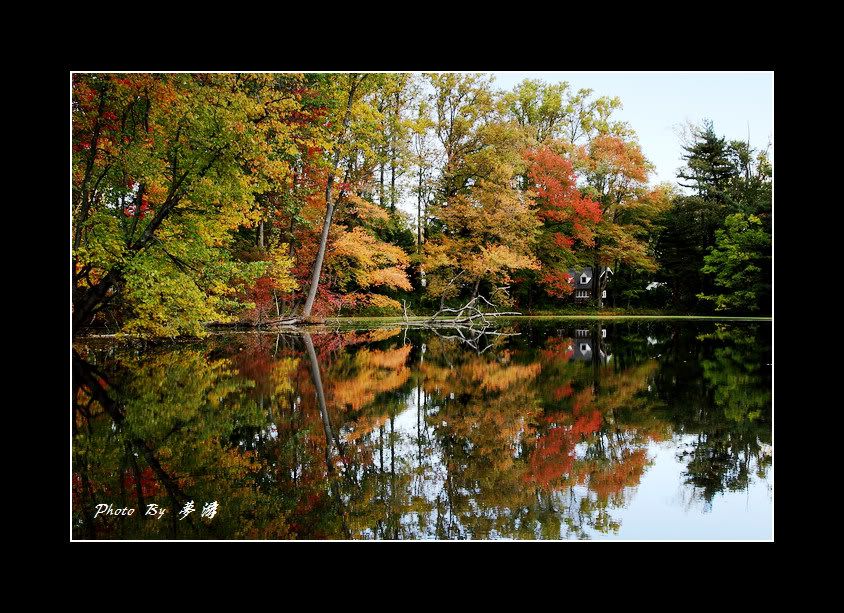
[{"x": 487, "y": 235}]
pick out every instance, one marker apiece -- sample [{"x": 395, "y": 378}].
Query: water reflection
[{"x": 544, "y": 432}]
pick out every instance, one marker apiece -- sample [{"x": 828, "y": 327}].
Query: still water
[{"x": 556, "y": 429}]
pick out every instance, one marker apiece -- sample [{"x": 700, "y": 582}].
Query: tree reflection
[
  {"x": 716, "y": 388},
  {"x": 155, "y": 431},
  {"x": 395, "y": 434}
]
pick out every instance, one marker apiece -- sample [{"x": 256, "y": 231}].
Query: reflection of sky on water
[
  {"x": 660, "y": 507},
  {"x": 429, "y": 473}
]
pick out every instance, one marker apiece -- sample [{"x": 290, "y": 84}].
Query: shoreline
[
  {"x": 399, "y": 319},
  {"x": 330, "y": 324}
]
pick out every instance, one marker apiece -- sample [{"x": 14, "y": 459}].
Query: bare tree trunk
[
  {"x": 393, "y": 183},
  {"x": 329, "y": 211},
  {"x": 419, "y": 219},
  {"x": 425, "y": 227},
  {"x": 260, "y": 234},
  {"x": 290, "y": 234},
  {"x": 596, "y": 276},
  {"x": 323, "y": 241},
  {"x": 396, "y": 119},
  {"x": 381, "y": 188}
]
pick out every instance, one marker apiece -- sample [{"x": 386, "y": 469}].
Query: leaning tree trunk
[
  {"x": 329, "y": 211},
  {"x": 323, "y": 241},
  {"x": 89, "y": 300}
]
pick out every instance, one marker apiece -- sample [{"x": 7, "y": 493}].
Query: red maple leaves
[
  {"x": 560, "y": 199},
  {"x": 569, "y": 216}
]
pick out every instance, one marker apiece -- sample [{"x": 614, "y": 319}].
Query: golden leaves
[
  {"x": 392, "y": 277},
  {"x": 280, "y": 269},
  {"x": 366, "y": 211},
  {"x": 368, "y": 261},
  {"x": 498, "y": 258}
]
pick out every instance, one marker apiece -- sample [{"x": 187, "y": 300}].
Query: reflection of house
[
  {"x": 586, "y": 343},
  {"x": 582, "y": 280}
]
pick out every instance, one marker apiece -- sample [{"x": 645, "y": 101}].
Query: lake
[{"x": 548, "y": 429}]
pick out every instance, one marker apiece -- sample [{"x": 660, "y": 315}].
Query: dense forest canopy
[{"x": 220, "y": 198}]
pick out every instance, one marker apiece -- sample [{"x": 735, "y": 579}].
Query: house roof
[{"x": 576, "y": 273}]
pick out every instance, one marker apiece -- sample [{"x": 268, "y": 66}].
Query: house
[
  {"x": 581, "y": 280},
  {"x": 585, "y": 343}
]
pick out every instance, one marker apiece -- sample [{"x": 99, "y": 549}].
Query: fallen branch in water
[
  {"x": 469, "y": 326},
  {"x": 470, "y": 317},
  {"x": 469, "y": 314},
  {"x": 476, "y": 338},
  {"x": 284, "y": 321}
]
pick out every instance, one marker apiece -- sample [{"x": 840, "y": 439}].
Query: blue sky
[{"x": 655, "y": 103}]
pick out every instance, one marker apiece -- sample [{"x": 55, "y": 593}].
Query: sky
[{"x": 656, "y": 103}]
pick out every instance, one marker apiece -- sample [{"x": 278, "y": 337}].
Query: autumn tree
[
  {"x": 271, "y": 289},
  {"x": 616, "y": 173},
  {"x": 486, "y": 236},
  {"x": 575, "y": 126},
  {"x": 423, "y": 159},
  {"x": 569, "y": 217},
  {"x": 483, "y": 226},
  {"x": 543, "y": 109},
  {"x": 461, "y": 104},
  {"x": 282, "y": 204},
  {"x": 362, "y": 263},
  {"x": 165, "y": 167},
  {"x": 394, "y": 99},
  {"x": 347, "y": 92},
  {"x": 555, "y": 112}
]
